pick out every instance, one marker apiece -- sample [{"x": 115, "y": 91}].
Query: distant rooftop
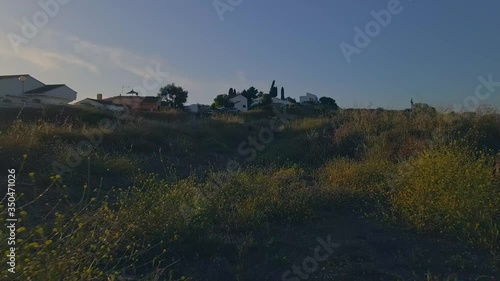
[
  {"x": 143, "y": 99},
  {"x": 124, "y": 97},
  {"x": 12, "y": 76},
  {"x": 44, "y": 89},
  {"x": 105, "y": 102},
  {"x": 151, "y": 99}
]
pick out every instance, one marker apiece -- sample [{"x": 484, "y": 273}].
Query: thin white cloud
[
  {"x": 54, "y": 50},
  {"x": 46, "y": 59},
  {"x": 121, "y": 58},
  {"x": 71, "y": 50},
  {"x": 241, "y": 76}
]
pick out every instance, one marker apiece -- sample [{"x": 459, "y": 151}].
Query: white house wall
[
  {"x": 241, "y": 107},
  {"x": 308, "y": 98},
  {"x": 18, "y": 102},
  {"x": 279, "y": 101},
  {"x": 194, "y": 108},
  {"x": 62, "y": 92},
  {"x": 240, "y": 103},
  {"x": 46, "y": 100},
  {"x": 12, "y": 86}
]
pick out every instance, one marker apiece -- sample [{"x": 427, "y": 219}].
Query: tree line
[
  {"x": 175, "y": 97},
  {"x": 252, "y": 93}
]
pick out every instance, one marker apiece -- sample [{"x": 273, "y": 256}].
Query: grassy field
[{"x": 396, "y": 195}]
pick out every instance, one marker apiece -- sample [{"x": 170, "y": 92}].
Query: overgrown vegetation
[{"x": 154, "y": 194}]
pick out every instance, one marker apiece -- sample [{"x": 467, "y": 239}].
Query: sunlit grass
[
  {"x": 129, "y": 209},
  {"x": 450, "y": 189}
]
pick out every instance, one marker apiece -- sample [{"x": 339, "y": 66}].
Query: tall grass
[
  {"x": 450, "y": 189},
  {"x": 133, "y": 230},
  {"x": 127, "y": 212}
]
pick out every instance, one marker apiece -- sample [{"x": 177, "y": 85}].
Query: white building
[
  {"x": 198, "y": 108},
  {"x": 308, "y": 98},
  {"x": 240, "y": 102},
  {"x": 195, "y": 108},
  {"x": 24, "y": 90},
  {"x": 280, "y": 101},
  {"x": 258, "y": 101}
]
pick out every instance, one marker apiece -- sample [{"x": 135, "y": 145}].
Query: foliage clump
[{"x": 450, "y": 189}]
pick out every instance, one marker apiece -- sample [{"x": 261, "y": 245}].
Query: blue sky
[{"x": 432, "y": 51}]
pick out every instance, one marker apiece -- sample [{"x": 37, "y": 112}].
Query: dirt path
[{"x": 366, "y": 251}]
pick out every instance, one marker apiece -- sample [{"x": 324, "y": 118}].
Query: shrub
[
  {"x": 96, "y": 243},
  {"x": 349, "y": 140},
  {"x": 249, "y": 198},
  {"x": 354, "y": 184},
  {"x": 449, "y": 189}
]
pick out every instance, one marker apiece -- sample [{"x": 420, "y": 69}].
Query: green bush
[
  {"x": 100, "y": 240},
  {"x": 247, "y": 199},
  {"x": 450, "y": 189},
  {"x": 355, "y": 183}
]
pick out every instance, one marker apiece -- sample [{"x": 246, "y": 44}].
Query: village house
[
  {"x": 26, "y": 91},
  {"x": 137, "y": 103},
  {"x": 150, "y": 104},
  {"x": 120, "y": 103},
  {"x": 240, "y": 103},
  {"x": 256, "y": 102},
  {"x": 308, "y": 98},
  {"x": 100, "y": 104},
  {"x": 197, "y": 108}
]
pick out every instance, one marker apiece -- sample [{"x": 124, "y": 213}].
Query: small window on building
[{"x": 244, "y": 106}]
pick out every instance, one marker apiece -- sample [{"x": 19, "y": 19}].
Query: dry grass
[{"x": 399, "y": 164}]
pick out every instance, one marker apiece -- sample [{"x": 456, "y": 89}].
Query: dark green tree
[
  {"x": 329, "y": 103},
  {"x": 282, "y": 93},
  {"x": 266, "y": 100},
  {"x": 222, "y": 101},
  {"x": 250, "y": 94},
  {"x": 424, "y": 108},
  {"x": 273, "y": 92},
  {"x": 174, "y": 95},
  {"x": 231, "y": 93}
]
